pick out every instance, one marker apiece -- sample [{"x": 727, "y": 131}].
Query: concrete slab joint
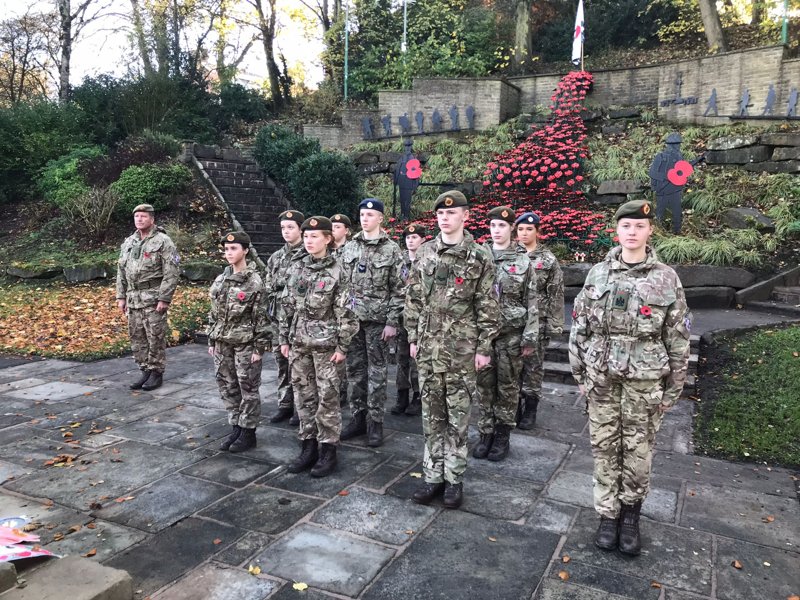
[{"x": 75, "y": 578}]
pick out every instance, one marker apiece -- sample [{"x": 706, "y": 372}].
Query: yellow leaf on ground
[
  {"x": 492, "y": 539},
  {"x": 91, "y": 553},
  {"x": 736, "y": 564},
  {"x": 565, "y": 558},
  {"x": 655, "y": 584},
  {"x": 563, "y": 575},
  {"x": 417, "y": 475},
  {"x": 300, "y": 586},
  {"x": 254, "y": 570}
]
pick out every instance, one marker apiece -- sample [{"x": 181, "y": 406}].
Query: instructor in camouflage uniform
[
  {"x": 498, "y": 384},
  {"x": 147, "y": 275},
  {"x": 274, "y": 281},
  {"x": 238, "y": 334},
  {"x": 372, "y": 263},
  {"x": 550, "y": 296},
  {"x": 629, "y": 351},
  {"x": 451, "y": 315}
]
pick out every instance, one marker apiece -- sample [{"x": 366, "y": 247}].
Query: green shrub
[
  {"x": 277, "y": 148},
  {"x": 324, "y": 183},
  {"x": 62, "y": 180},
  {"x": 150, "y": 184},
  {"x": 238, "y": 103}
]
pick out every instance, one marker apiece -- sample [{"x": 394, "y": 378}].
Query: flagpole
[
  {"x": 583, "y": 36},
  {"x": 582, "y": 69}
]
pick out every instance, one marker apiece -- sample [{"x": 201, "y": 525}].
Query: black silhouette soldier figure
[
  {"x": 769, "y": 106},
  {"x": 436, "y": 119},
  {"x": 366, "y": 128},
  {"x": 420, "y": 119},
  {"x": 470, "y": 117},
  {"x": 387, "y": 125},
  {"x": 668, "y": 178},
  {"x": 791, "y": 107},
  {"x": 453, "y": 118},
  {"x": 402, "y": 182},
  {"x": 744, "y": 103},
  {"x": 405, "y": 124},
  {"x": 712, "y": 104}
]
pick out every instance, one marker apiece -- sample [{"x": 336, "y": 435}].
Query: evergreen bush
[
  {"x": 324, "y": 183},
  {"x": 150, "y": 184},
  {"x": 62, "y": 179},
  {"x": 278, "y": 148}
]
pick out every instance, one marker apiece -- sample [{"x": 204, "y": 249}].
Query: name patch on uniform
[{"x": 621, "y": 298}]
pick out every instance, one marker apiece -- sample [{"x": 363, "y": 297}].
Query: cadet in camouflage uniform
[
  {"x": 629, "y": 351},
  {"x": 316, "y": 327},
  {"x": 342, "y": 232},
  {"x": 372, "y": 263},
  {"x": 451, "y": 315},
  {"x": 238, "y": 334},
  {"x": 407, "y": 378},
  {"x": 147, "y": 275},
  {"x": 274, "y": 281},
  {"x": 498, "y": 384},
  {"x": 550, "y": 290}
]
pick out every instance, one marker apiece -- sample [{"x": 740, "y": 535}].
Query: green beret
[
  {"x": 635, "y": 209},
  {"x": 502, "y": 213},
  {"x": 237, "y": 237},
  {"x": 144, "y": 208},
  {"x": 292, "y": 215},
  {"x": 415, "y": 229},
  {"x": 317, "y": 224},
  {"x": 450, "y": 199},
  {"x": 344, "y": 219}
]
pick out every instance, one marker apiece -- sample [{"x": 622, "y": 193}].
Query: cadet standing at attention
[
  {"x": 316, "y": 327},
  {"x": 451, "y": 315},
  {"x": 147, "y": 275},
  {"x": 372, "y": 263},
  {"x": 238, "y": 334},
  {"x": 498, "y": 383},
  {"x": 629, "y": 351},
  {"x": 342, "y": 231},
  {"x": 407, "y": 379},
  {"x": 550, "y": 297},
  {"x": 274, "y": 281}
]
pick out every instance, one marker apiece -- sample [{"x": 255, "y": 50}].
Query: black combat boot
[
  {"x": 154, "y": 381},
  {"x": 629, "y": 541},
  {"x": 327, "y": 461},
  {"x": 284, "y": 412},
  {"x": 453, "y": 494},
  {"x": 235, "y": 433},
  {"x": 528, "y": 420},
  {"x": 137, "y": 385},
  {"x": 308, "y": 456},
  {"x": 357, "y": 426},
  {"x": 402, "y": 402},
  {"x": 374, "y": 434},
  {"x": 481, "y": 449},
  {"x": 294, "y": 421},
  {"x": 499, "y": 451},
  {"x": 415, "y": 406},
  {"x": 426, "y": 492},
  {"x": 246, "y": 440},
  {"x": 607, "y": 534}
]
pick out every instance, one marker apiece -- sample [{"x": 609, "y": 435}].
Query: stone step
[
  {"x": 75, "y": 578},
  {"x": 787, "y": 294},
  {"x": 229, "y": 165}
]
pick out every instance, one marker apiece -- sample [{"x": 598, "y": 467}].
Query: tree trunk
[
  {"x": 758, "y": 12},
  {"x": 141, "y": 41},
  {"x": 267, "y": 26},
  {"x": 65, "y": 42},
  {"x": 712, "y": 26},
  {"x": 522, "y": 35},
  {"x": 176, "y": 40}
]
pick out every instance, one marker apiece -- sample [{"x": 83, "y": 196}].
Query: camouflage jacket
[
  {"x": 275, "y": 275},
  {"x": 631, "y": 323},
  {"x": 405, "y": 272},
  {"x": 147, "y": 271},
  {"x": 451, "y": 310},
  {"x": 314, "y": 306},
  {"x": 238, "y": 309},
  {"x": 550, "y": 289},
  {"x": 515, "y": 286},
  {"x": 372, "y": 268}
]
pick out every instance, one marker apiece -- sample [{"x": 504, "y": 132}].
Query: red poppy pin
[
  {"x": 539, "y": 266},
  {"x": 645, "y": 311},
  {"x": 147, "y": 255},
  {"x": 512, "y": 269},
  {"x": 241, "y": 296},
  {"x": 459, "y": 280},
  {"x": 574, "y": 314},
  {"x": 321, "y": 285}
]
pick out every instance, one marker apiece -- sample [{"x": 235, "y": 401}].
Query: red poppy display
[{"x": 680, "y": 173}]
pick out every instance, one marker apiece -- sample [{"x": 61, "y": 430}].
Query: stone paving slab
[
  {"x": 148, "y": 407},
  {"x": 386, "y": 474},
  {"x": 551, "y": 516},
  {"x": 23, "y": 447},
  {"x": 54, "y": 391},
  {"x": 206, "y": 396},
  {"x": 509, "y": 567},
  {"x": 601, "y": 579},
  {"x": 165, "y": 502},
  {"x": 166, "y": 556},
  {"x": 20, "y": 384},
  {"x": 765, "y": 572},
  {"x": 229, "y": 469},
  {"x": 38, "y": 368},
  {"x": 556, "y": 417},
  {"x": 9, "y": 471},
  {"x": 383, "y": 518},
  {"x": 552, "y": 589},
  {"x": 531, "y": 458},
  {"x": 244, "y": 548},
  {"x": 325, "y": 559},
  {"x": 742, "y": 514},
  {"x": 51, "y": 519},
  {"x": 206, "y": 437},
  {"x": 671, "y": 555},
  {"x": 263, "y": 509},
  {"x": 106, "y": 539},
  {"x": 215, "y": 582}
]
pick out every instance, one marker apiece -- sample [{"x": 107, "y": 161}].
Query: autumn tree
[
  {"x": 24, "y": 58},
  {"x": 712, "y": 26},
  {"x": 266, "y": 22},
  {"x": 523, "y": 42}
]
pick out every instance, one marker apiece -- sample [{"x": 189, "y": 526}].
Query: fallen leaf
[
  {"x": 563, "y": 575},
  {"x": 793, "y": 597},
  {"x": 74, "y": 425},
  {"x": 416, "y": 475},
  {"x": 768, "y": 519},
  {"x": 67, "y": 434},
  {"x": 217, "y": 542},
  {"x": 655, "y": 584},
  {"x": 766, "y": 564},
  {"x": 565, "y": 558},
  {"x": 492, "y": 538},
  {"x": 736, "y": 564},
  {"x": 299, "y": 586},
  {"x": 344, "y": 493},
  {"x": 91, "y": 553},
  {"x": 91, "y": 526},
  {"x": 254, "y": 570},
  {"x": 409, "y": 532},
  {"x": 95, "y": 506},
  {"x": 58, "y": 537},
  {"x": 76, "y": 528},
  {"x": 122, "y": 499}
]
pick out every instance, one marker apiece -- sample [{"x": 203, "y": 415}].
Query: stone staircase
[
  {"x": 789, "y": 294},
  {"x": 251, "y": 196}
]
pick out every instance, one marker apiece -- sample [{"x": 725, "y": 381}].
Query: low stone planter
[
  {"x": 83, "y": 273},
  {"x": 34, "y": 272},
  {"x": 201, "y": 272}
]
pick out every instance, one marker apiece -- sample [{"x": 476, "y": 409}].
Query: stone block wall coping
[{"x": 763, "y": 289}]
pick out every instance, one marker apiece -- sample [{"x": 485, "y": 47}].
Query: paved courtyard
[{"x": 145, "y": 487}]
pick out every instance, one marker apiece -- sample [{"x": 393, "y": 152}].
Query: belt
[{"x": 146, "y": 285}]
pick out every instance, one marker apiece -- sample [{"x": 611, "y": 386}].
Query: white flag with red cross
[{"x": 578, "y": 36}]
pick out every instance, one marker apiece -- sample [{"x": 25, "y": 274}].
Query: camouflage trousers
[
  {"x": 316, "y": 394},
  {"x": 498, "y": 384},
  {"x": 148, "y": 333},
  {"x": 407, "y": 375},
  {"x": 623, "y": 421},
  {"x": 446, "y": 400},
  {"x": 239, "y": 380},
  {"x": 533, "y": 368},
  {"x": 285, "y": 392},
  {"x": 367, "y": 371},
  {"x": 341, "y": 371}
]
